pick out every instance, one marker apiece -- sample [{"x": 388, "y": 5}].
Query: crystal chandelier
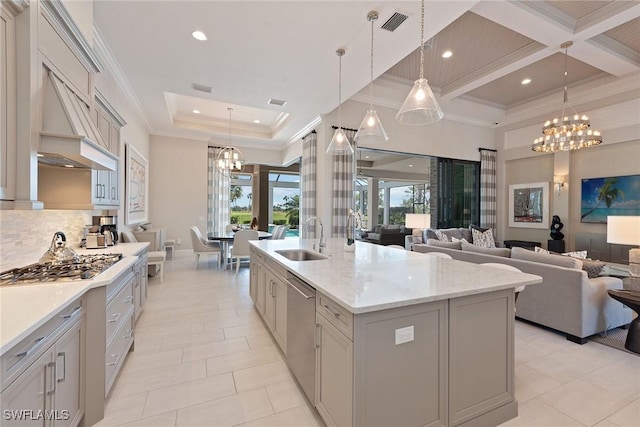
[
  {"x": 371, "y": 130},
  {"x": 339, "y": 143},
  {"x": 229, "y": 160},
  {"x": 570, "y": 132},
  {"x": 420, "y": 107}
]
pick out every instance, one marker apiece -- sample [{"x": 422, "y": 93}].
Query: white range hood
[{"x": 69, "y": 137}]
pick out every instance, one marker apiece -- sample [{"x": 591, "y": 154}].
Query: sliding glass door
[{"x": 458, "y": 199}]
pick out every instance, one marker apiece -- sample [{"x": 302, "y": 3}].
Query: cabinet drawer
[
  {"x": 23, "y": 353},
  {"x": 117, "y": 309},
  {"x": 117, "y": 350},
  {"x": 335, "y": 314},
  {"x": 114, "y": 287}
]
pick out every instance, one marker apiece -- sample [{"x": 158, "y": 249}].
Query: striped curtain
[
  {"x": 488, "y": 203},
  {"x": 308, "y": 166},
  {"x": 342, "y": 189},
  {"x": 218, "y": 187}
]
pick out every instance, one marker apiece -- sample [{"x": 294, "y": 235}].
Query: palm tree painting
[{"x": 609, "y": 196}]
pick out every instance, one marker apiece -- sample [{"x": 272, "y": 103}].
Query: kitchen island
[{"x": 400, "y": 338}]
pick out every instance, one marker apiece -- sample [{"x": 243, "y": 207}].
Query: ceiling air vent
[
  {"x": 394, "y": 21},
  {"x": 273, "y": 101},
  {"x": 201, "y": 88}
]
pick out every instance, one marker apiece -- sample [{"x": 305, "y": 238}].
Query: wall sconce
[{"x": 558, "y": 180}]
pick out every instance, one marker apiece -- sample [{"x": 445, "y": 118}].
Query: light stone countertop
[
  {"x": 25, "y": 307},
  {"x": 377, "y": 277}
]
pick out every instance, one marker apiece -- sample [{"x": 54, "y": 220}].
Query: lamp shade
[
  {"x": 418, "y": 221},
  {"x": 420, "y": 107},
  {"x": 339, "y": 143},
  {"x": 623, "y": 230}
]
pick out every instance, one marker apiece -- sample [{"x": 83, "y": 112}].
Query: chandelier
[
  {"x": 570, "y": 132},
  {"x": 229, "y": 160}
]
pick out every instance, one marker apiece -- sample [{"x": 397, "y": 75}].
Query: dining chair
[
  {"x": 278, "y": 232},
  {"x": 156, "y": 258},
  {"x": 240, "y": 247},
  {"x": 229, "y": 228},
  {"x": 202, "y": 246},
  {"x": 507, "y": 267}
]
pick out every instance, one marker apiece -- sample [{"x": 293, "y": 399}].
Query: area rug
[{"x": 614, "y": 338}]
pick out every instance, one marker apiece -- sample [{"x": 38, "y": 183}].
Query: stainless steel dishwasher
[{"x": 301, "y": 324}]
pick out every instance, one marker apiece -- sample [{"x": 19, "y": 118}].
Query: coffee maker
[{"x": 108, "y": 227}]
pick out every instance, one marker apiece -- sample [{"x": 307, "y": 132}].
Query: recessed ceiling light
[
  {"x": 526, "y": 81},
  {"x": 199, "y": 35},
  {"x": 196, "y": 111},
  {"x": 68, "y": 166},
  {"x": 40, "y": 155},
  {"x": 447, "y": 54},
  {"x": 256, "y": 121},
  {"x": 366, "y": 157},
  {"x": 410, "y": 166}
]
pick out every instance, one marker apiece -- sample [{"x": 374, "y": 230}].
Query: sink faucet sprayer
[{"x": 321, "y": 244}]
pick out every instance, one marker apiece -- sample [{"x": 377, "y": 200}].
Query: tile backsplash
[{"x": 25, "y": 235}]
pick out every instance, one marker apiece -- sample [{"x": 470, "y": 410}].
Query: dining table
[{"x": 226, "y": 238}]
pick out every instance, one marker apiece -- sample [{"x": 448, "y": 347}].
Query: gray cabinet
[
  {"x": 257, "y": 285},
  {"x": 8, "y": 105},
  {"x": 48, "y": 374},
  {"x": 140, "y": 283},
  {"x": 268, "y": 290},
  {"x": 106, "y": 184}
]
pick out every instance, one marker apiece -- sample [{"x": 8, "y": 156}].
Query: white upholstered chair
[
  {"x": 241, "y": 245},
  {"x": 202, "y": 246},
  {"x": 156, "y": 258},
  {"x": 507, "y": 267}
]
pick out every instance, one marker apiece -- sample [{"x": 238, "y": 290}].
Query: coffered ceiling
[{"x": 257, "y": 50}]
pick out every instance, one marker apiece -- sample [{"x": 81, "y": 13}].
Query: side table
[{"x": 632, "y": 300}]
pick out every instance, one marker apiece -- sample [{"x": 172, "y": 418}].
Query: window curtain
[
  {"x": 342, "y": 189},
  {"x": 308, "y": 167},
  {"x": 488, "y": 204},
  {"x": 218, "y": 187}
]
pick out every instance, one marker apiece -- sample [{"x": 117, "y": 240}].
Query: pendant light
[
  {"x": 339, "y": 143},
  {"x": 567, "y": 132},
  {"x": 421, "y": 106},
  {"x": 371, "y": 130},
  {"x": 229, "y": 160}
]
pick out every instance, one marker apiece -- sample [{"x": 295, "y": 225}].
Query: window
[
  {"x": 458, "y": 193},
  {"x": 284, "y": 195},
  {"x": 240, "y": 199}
]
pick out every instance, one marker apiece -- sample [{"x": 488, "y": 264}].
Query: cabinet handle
[
  {"x": 316, "y": 338},
  {"x": 24, "y": 353},
  {"x": 53, "y": 378},
  {"x": 104, "y": 191},
  {"x": 129, "y": 334},
  {"x": 113, "y": 193},
  {"x": 129, "y": 298},
  {"x": 330, "y": 310},
  {"x": 113, "y": 363},
  {"x": 115, "y": 319},
  {"x": 68, "y": 316},
  {"x": 63, "y": 354}
]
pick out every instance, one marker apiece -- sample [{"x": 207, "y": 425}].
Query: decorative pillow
[
  {"x": 470, "y": 247},
  {"x": 593, "y": 267},
  {"x": 484, "y": 240},
  {"x": 441, "y": 236},
  {"x": 441, "y": 244},
  {"x": 463, "y": 240},
  {"x": 576, "y": 254},
  {"x": 540, "y": 250}
]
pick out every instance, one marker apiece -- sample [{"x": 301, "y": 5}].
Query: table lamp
[
  {"x": 625, "y": 230},
  {"x": 417, "y": 221}
]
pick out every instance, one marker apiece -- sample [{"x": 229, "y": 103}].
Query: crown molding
[
  {"x": 58, "y": 16},
  {"x": 106, "y": 105},
  {"x": 16, "y": 6},
  {"x": 104, "y": 52}
]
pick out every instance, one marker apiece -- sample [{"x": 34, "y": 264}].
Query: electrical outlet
[
  {"x": 404, "y": 335},
  {"x": 178, "y": 241}
]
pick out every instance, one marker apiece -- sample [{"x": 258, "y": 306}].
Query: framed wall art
[
  {"x": 614, "y": 195},
  {"x": 137, "y": 181},
  {"x": 529, "y": 205}
]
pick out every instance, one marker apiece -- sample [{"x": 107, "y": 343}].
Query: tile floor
[{"x": 203, "y": 357}]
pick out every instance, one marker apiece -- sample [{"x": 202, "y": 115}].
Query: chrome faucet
[{"x": 321, "y": 244}]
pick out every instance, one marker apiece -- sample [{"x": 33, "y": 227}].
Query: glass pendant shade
[
  {"x": 420, "y": 107},
  {"x": 371, "y": 130},
  {"x": 339, "y": 143}
]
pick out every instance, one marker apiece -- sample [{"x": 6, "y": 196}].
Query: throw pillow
[
  {"x": 463, "y": 240},
  {"x": 441, "y": 236},
  {"x": 541, "y": 250},
  {"x": 484, "y": 240},
  {"x": 576, "y": 254},
  {"x": 593, "y": 267},
  {"x": 441, "y": 244}
]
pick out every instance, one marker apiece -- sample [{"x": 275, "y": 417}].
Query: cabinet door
[
  {"x": 69, "y": 376},
  {"x": 270, "y": 302},
  {"x": 114, "y": 181},
  {"x": 7, "y": 104},
  {"x": 137, "y": 293},
  {"x": 261, "y": 290},
  {"x": 253, "y": 278},
  {"x": 29, "y": 395},
  {"x": 334, "y": 374},
  {"x": 280, "y": 321}
]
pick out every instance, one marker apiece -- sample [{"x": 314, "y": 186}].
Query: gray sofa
[{"x": 566, "y": 300}]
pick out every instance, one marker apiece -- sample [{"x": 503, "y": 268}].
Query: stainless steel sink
[{"x": 300, "y": 255}]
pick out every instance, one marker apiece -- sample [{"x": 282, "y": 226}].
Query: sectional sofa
[{"x": 567, "y": 300}]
